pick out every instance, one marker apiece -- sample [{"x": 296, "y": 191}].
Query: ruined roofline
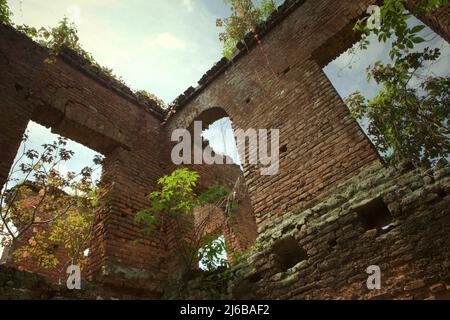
[
  {"x": 245, "y": 46},
  {"x": 75, "y": 60},
  {"x": 242, "y": 49}
]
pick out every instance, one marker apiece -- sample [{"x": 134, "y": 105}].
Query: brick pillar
[
  {"x": 15, "y": 104},
  {"x": 14, "y": 119},
  {"x": 121, "y": 257}
]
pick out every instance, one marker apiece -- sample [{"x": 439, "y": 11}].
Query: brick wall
[
  {"x": 279, "y": 85},
  {"x": 81, "y": 105},
  {"x": 78, "y": 103},
  {"x": 323, "y": 250},
  {"x": 439, "y": 21}
]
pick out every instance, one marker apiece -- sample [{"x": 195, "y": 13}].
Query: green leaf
[
  {"x": 417, "y": 28},
  {"x": 418, "y": 40}
]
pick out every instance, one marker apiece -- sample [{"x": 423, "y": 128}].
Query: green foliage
[
  {"x": 240, "y": 256},
  {"x": 407, "y": 122},
  {"x": 394, "y": 25},
  {"x": 145, "y": 96},
  {"x": 72, "y": 231},
  {"x": 65, "y": 34},
  {"x": 176, "y": 198},
  {"x": 408, "y": 119},
  {"x": 38, "y": 250},
  {"x": 5, "y": 12},
  {"x": 245, "y": 17},
  {"x": 213, "y": 194},
  {"x": 210, "y": 254},
  {"x": 176, "y": 201}
]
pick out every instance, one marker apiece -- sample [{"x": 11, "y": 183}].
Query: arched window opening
[{"x": 220, "y": 136}]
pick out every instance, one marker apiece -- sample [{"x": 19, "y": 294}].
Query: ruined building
[{"x": 332, "y": 211}]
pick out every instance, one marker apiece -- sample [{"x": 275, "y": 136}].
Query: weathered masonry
[{"x": 277, "y": 84}]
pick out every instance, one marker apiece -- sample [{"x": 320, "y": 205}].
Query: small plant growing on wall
[
  {"x": 5, "y": 13},
  {"x": 245, "y": 17},
  {"x": 174, "y": 205},
  {"x": 42, "y": 209}
]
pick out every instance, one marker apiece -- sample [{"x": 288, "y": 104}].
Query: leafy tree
[
  {"x": 408, "y": 123},
  {"x": 210, "y": 254},
  {"x": 408, "y": 119},
  {"x": 245, "y": 17},
  {"x": 174, "y": 204},
  {"x": 45, "y": 207}
]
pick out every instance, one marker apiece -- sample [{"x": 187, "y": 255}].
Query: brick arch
[
  {"x": 241, "y": 231},
  {"x": 209, "y": 116},
  {"x": 322, "y": 145},
  {"x": 206, "y": 112}
]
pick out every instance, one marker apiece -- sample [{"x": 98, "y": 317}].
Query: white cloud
[
  {"x": 189, "y": 4},
  {"x": 167, "y": 41}
]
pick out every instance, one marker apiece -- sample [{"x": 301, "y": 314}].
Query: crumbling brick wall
[
  {"x": 322, "y": 251},
  {"x": 76, "y": 101},
  {"x": 278, "y": 84},
  {"x": 81, "y": 105}
]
